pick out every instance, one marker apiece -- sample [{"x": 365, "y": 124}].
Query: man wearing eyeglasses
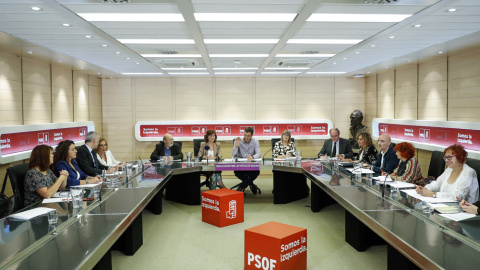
[
  {"x": 167, "y": 149},
  {"x": 387, "y": 159},
  {"x": 336, "y": 146}
]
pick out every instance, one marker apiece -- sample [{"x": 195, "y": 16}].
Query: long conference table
[{"x": 83, "y": 238}]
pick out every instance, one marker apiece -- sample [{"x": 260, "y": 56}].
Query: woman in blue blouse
[{"x": 64, "y": 159}]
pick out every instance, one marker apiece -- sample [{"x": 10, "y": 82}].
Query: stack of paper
[{"x": 32, "y": 213}]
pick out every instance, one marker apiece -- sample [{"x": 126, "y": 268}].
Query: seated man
[
  {"x": 387, "y": 160},
  {"x": 167, "y": 149},
  {"x": 248, "y": 148},
  {"x": 336, "y": 146},
  {"x": 87, "y": 158}
]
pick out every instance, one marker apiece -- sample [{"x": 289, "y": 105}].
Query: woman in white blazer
[{"x": 104, "y": 156}]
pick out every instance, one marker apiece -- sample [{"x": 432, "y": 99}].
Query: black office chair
[
  {"x": 16, "y": 174},
  {"x": 196, "y": 149},
  {"x": 275, "y": 140},
  {"x": 437, "y": 164},
  {"x": 474, "y": 164}
]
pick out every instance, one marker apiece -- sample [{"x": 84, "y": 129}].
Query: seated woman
[
  {"x": 285, "y": 147},
  {"x": 408, "y": 169},
  {"x": 64, "y": 159},
  {"x": 40, "y": 182},
  {"x": 210, "y": 149},
  {"x": 105, "y": 156},
  {"x": 368, "y": 153},
  {"x": 471, "y": 208},
  {"x": 458, "y": 180}
]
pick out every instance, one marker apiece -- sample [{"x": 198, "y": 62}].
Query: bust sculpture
[{"x": 356, "y": 127}]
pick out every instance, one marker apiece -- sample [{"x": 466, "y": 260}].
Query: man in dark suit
[
  {"x": 336, "y": 146},
  {"x": 167, "y": 149},
  {"x": 87, "y": 158},
  {"x": 387, "y": 159}
]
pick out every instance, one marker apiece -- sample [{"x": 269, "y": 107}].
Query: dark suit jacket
[
  {"x": 344, "y": 148},
  {"x": 85, "y": 162},
  {"x": 390, "y": 161},
  {"x": 159, "y": 151},
  {"x": 72, "y": 174}
]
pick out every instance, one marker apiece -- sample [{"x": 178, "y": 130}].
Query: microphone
[
  {"x": 193, "y": 158},
  {"x": 265, "y": 154},
  {"x": 206, "y": 149}
]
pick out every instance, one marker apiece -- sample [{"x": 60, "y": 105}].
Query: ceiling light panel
[
  {"x": 245, "y": 17},
  {"x": 131, "y": 17}
]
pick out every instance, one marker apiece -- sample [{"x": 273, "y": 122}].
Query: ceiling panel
[{"x": 438, "y": 30}]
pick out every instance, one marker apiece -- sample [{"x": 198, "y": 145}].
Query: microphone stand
[{"x": 265, "y": 154}]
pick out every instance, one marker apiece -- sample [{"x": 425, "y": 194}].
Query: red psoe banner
[
  {"x": 16, "y": 142},
  {"x": 431, "y": 135},
  {"x": 226, "y": 130}
]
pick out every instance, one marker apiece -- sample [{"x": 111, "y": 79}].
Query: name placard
[
  {"x": 237, "y": 166},
  {"x": 431, "y": 135},
  {"x": 17, "y": 142},
  {"x": 228, "y": 130}
]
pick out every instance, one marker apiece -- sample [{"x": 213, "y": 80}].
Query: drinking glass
[
  {"x": 189, "y": 156},
  {"x": 52, "y": 217},
  {"x": 96, "y": 191},
  {"x": 299, "y": 154}
]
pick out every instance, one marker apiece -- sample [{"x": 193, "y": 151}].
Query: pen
[{"x": 458, "y": 199}]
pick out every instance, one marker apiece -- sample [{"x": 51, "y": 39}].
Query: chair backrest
[
  {"x": 474, "y": 164},
  {"x": 437, "y": 164},
  {"x": 17, "y": 180},
  {"x": 179, "y": 143},
  {"x": 196, "y": 146}
]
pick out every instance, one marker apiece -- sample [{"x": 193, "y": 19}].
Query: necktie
[
  {"x": 94, "y": 162},
  {"x": 334, "y": 152}
]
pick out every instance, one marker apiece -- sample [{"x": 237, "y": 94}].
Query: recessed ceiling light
[
  {"x": 59, "y": 61},
  {"x": 344, "y": 58},
  {"x": 117, "y": 52},
  {"x": 66, "y": 24},
  {"x": 104, "y": 45},
  {"x": 245, "y": 17},
  {"x": 391, "y": 37},
  {"x": 237, "y": 68},
  {"x": 334, "y": 63},
  {"x": 178, "y": 69},
  {"x": 440, "y": 52},
  {"x": 328, "y": 72},
  {"x": 452, "y": 10},
  {"x": 189, "y": 73},
  {"x": 88, "y": 36},
  {"x": 300, "y": 55},
  {"x": 30, "y": 52},
  {"x": 161, "y": 55},
  {"x": 386, "y": 67},
  {"x": 234, "y": 73},
  {"x": 137, "y": 63},
  {"x": 324, "y": 41},
  {"x": 128, "y": 58},
  {"x": 287, "y": 68},
  {"x": 335, "y": 17},
  {"x": 99, "y": 73},
  {"x": 368, "y": 72},
  {"x": 156, "y": 41},
  {"x": 82, "y": 68},
  {"x": 281, "y": 72},
  {"x": 417, "y": 25},
  {"x": 132, "y": 17},
  {"x": 238, "y": 55},
  {"x": 240, "y": 41},
  {"x": 373, "y": 45},
  {"x": 357, "y": 52},
  {"x": 142, "y": 73},
  {"x": 36, "y": 8}
]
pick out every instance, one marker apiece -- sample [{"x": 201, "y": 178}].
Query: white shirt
[
  {"x": 465, "y": 188},
  {"x": 111, "y": 161}
]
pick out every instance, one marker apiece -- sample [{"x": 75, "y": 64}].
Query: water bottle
[{"x": 104, "y": 174}]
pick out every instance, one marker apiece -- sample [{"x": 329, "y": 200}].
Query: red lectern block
[
  {"x": 276, "y": 245},
  {"x": 222, "y": 207}
]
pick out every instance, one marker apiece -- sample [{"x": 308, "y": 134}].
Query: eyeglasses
[
  {"x": 102, "y": 145},
  {"x": 449, "y": 157}
]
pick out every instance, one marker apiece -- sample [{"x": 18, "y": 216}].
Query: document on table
[
  {"x": 413, "y": 193},
  {"x": 400, "y": 184},
  {"x": 445, "y": 209},
  {"x": 60, "y": 194},
  {"x": 458, "y": 216},
  {"x": 32, "y": 213},
  {"x": 114, "y": 173},
  {"x": 88, "y": 185},
  {"x": 54, "y": 200},
  {"x": 383, "y": 178},
  {"x": 210, "y": 160},
  {"x": 243, "y": 160},
  {"x": 364, "y": 171}
]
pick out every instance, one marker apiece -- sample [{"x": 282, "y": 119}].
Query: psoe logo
[
  {"x": 232, "y": 209},
  {"x": 383, "y": 128}
]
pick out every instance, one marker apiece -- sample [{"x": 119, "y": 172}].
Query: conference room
[{"x": 135, "y": 70}]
